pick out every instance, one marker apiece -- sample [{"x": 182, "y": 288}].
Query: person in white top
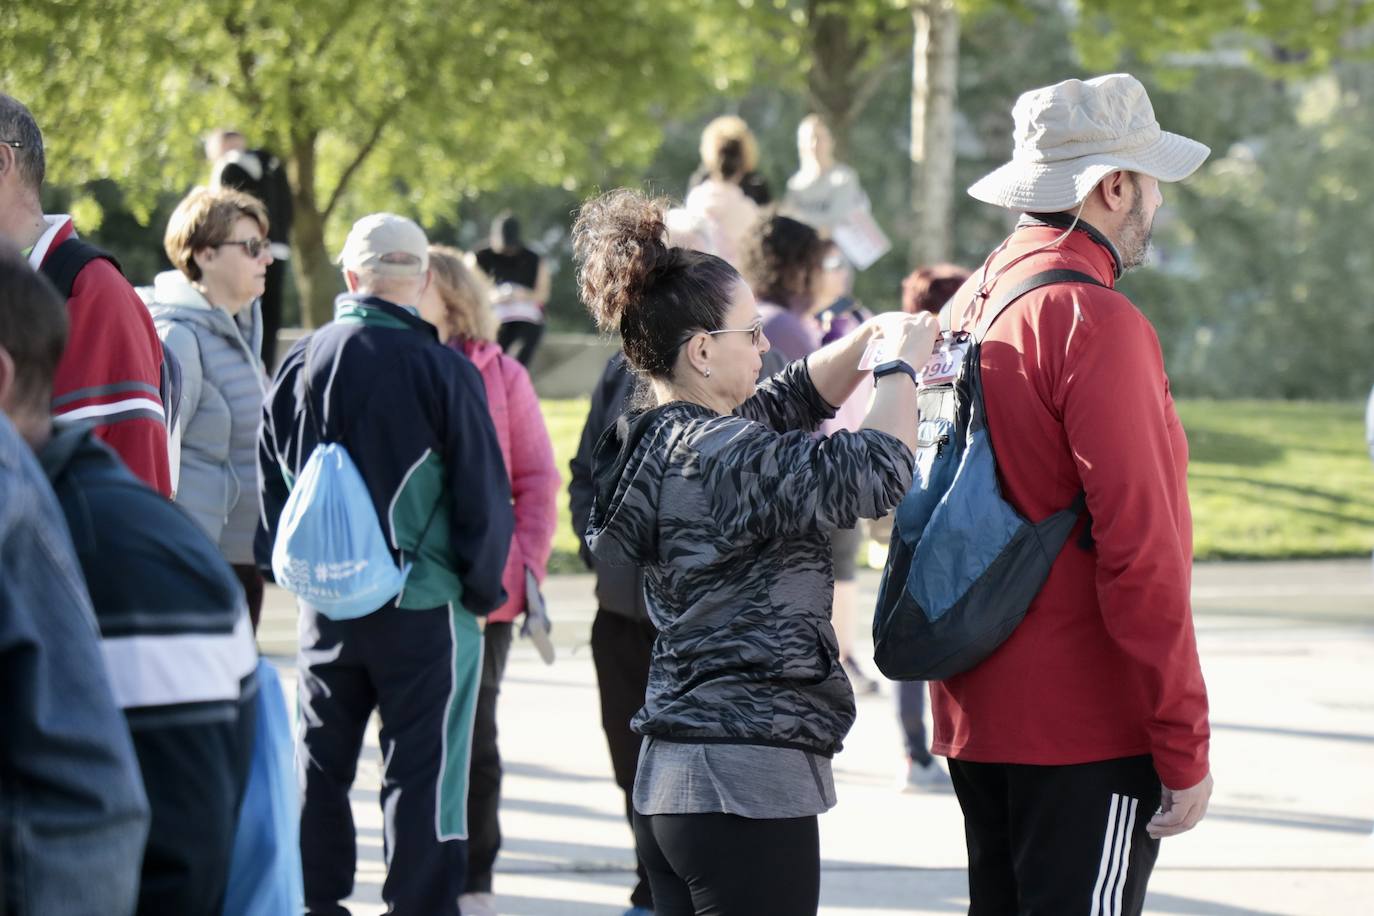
[
  {"x": 725, "y": 216},
  {"x": 827, "y": 196},
  {"x": 822, "y": 192}
]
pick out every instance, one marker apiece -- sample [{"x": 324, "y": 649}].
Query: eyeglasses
[
  {"x": 12, "y": 144},
  {"x": 755, "y": 331},
  {"x": 254, "y": 247}
]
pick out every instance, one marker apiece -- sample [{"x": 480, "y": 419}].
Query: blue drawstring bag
[
  {"x": 330, "y": 551},
  {"x": 265, "y": 867}
]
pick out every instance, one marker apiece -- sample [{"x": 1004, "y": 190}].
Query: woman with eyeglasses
[
  {"x": 719, "y": 490},
  {"x": 207, "y": 314}
]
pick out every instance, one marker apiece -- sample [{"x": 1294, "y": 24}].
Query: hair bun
[{"x": 619, "y": 244}]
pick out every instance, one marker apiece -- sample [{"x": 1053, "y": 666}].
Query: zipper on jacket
[{"x": 940, "y": 444}]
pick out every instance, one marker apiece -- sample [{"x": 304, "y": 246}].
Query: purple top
[{"x": 793, "y": 334}]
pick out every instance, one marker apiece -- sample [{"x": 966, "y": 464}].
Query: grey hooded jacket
[
  {"x": 730, "y": 518},
  {"x": 223, "y": 387}
]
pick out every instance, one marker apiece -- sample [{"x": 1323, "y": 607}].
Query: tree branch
[
  {"x": 363, "y": 152},
  {"x": 239, "y": 32},
  {"x": 895, "y": 60}
]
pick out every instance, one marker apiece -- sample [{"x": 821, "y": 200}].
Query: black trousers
[
  {"x": 519, "y": 339},
  {"x": 726, "y": 865},
  {"x": 274, "y": 290},
  {"x": 1058, "y": 840},
  {"x": 484, "y": 788},
  {"x": 420, "y": 670},
  {"x": 620, "y": 650}
]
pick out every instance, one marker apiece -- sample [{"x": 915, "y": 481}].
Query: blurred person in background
[
  {"x": 785, "y": 265},
  {"x": 822, "y": 192},
  {"x": 925, "y": 290},
  {"x": 713, "y": 137},
  {"x": 112, "y": 372},
  {"x": 718, "y": 200},
  {"x": 72, "y": 806},
  {"x": 208, "y": 313},
  {"x": 262, "y": 174},
  {"x": 456, "y": 304},
  {"x": 520, "y": 286},
  {"x": 837, "y": 314}
]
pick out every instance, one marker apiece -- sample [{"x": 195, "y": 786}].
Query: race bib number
[{"x": 944, "y": 364}]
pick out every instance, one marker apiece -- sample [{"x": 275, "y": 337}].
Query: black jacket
[
  {"x": 175, "y": 633},
  {"x": 413, "y": 415},
  {"x": 619, "y": 589}
]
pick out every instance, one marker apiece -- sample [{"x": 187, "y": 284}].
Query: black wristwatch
[{"x": 895, "y": 365}]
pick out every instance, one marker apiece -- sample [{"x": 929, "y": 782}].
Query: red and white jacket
[{"x": 112, "y": 367}]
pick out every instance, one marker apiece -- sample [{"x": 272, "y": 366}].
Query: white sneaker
[
  {"x": 929, "y": 778},
  {"x": 477, "y": 905}
]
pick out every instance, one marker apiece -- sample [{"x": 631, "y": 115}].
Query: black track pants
[{"x": 1058, "y": 840}]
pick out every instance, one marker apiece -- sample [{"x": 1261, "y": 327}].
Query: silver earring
[{"x": 706, "y": 372}]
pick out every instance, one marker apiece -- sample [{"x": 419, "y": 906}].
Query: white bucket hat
[{"x": 1071, "y": 135}]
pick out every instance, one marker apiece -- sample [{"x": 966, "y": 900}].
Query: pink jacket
[{"x": 534, "y": 480}]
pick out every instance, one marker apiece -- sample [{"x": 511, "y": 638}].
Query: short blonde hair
[
  {"x": 205, "y": 218},
  {"x": 465, "y": 296},
  {"x": 721, "y": 131}
]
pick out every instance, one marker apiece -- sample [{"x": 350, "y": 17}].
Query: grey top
[
  {"x": 748, "y": 780},
  {"x": 223, "y": 386}
]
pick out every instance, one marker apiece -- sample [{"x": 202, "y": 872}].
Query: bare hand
[
  {"x": 907, "y": 337},
  {"x": 1180, "y": 809}
]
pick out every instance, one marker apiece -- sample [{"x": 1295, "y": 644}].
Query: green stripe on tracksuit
[{"x": 455, "y": 764}]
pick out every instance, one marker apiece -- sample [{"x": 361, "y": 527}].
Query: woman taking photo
[
  {"x": 722, "y": 494},
  {"x": 456, "y": 304},
  {"x": 207, "y": 313}
]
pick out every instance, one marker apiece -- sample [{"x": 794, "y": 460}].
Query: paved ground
[{"x": 1288, "y": 651}]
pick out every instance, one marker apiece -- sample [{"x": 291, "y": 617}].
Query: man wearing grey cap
[
  {"x": 412, "y": 415},
  {"x": 1083, "y": 739}
]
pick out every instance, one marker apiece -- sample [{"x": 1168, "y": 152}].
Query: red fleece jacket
[
  {"x": 1105, "y": 664},
  {"x": 112, "y": 367}
]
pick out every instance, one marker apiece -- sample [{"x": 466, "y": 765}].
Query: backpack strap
[
  {"x": 1033, "y": 282},
  {"x": 66, "y": 261}
]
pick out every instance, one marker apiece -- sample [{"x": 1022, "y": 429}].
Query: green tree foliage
[{"x": 408, "y": 104}]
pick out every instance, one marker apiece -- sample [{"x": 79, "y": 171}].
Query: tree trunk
[
  {"x": 830, "y": 79},
  {"x": 317, "y": 278},
  {"x": 934, "y": 87}
]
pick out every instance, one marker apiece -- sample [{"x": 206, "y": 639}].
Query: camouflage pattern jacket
[{"x": 730, "y": 518}]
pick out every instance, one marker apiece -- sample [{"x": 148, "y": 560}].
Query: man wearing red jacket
[
  {"x": 1083, "y": 739},
  {"x": 112, "y": 369}
]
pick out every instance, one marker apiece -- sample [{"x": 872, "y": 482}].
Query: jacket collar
[
  {"x": 374, "y": 309},
  {"x": 58, "y": 231},
  {"x": 1064, "y": 221}
]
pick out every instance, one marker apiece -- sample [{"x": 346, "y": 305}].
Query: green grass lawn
[
  {"x": 1271, "y": 479},
  {"x": 1268, "y": 479}
]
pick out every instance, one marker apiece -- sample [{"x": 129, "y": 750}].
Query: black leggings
[{"x": 725, "y": 865}]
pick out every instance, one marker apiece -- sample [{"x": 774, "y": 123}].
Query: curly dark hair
[
  {"x": 781, "y": 260},
  {"x": 631, "y": 281}
]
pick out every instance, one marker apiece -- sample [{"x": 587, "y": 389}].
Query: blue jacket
[
  {"x": 73, "y": 816},
  {"x": 413, "y": 415},
  {"x": 179, "y": 649}
]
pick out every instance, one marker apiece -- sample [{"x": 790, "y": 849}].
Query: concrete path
[{"x": 1288, "y": 652}]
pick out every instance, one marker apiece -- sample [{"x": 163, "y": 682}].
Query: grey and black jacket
[{"x": 730, "y": 518}]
